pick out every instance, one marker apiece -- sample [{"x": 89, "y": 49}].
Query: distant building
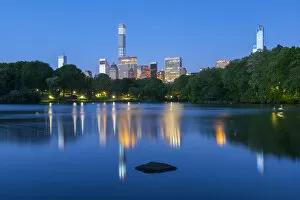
[
  {"x": 173, "y": 68},
  {"x": 259, "y": 39},
  {"x": 62, "y": 60},
  {"x": 88, "y": 73},
  {"x": 183, "y": 71},
  {"x": 127, "y": 67},
  {"x": 161, "y": 75},
  {"x": 122, "y": 40},
  {"x": 145, "y": 71},
  {"x": 103, "y": 66},
  {"x": 113, "y": 71},
  {"x": 222, "y": 63},
  {"x": 153, "y": 67}
]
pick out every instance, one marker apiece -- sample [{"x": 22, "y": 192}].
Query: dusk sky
[{"x": 198, "y": 31}]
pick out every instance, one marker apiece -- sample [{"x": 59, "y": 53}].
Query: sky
[{"x": 200, "y": 31}]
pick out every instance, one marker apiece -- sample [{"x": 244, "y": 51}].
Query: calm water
[{"x": 90, "y": 152}]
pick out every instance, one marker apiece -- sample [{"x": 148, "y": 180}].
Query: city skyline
[{"x": 225, "y": 35}]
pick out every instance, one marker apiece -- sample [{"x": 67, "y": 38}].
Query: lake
[{"x": 90, "y": 151}]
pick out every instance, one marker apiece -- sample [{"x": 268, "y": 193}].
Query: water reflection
[{"x": 269, "y": 133}]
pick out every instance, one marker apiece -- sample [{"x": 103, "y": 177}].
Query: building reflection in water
[
  {"x": 74, "y": 115},
  {"x": 114, "y": 116},
  {"x": 171, "y": 124},
  {"x": 82, "y": 117},
  {"x": 50, "y": 114},
  {"x": 102, "y": 133},
  {"x": 220, "y": 133},
  {"x": 61, "y": 134},
  {"x": 260, "y": 163}
]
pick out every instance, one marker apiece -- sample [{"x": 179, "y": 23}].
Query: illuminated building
[
  {"x": 259, "y": 39},
  {"x": 113, "y": 72},
  {"x": 171, "y": 124},
  {"x": 145, "y": 72},
  {"x": 220, "y": 133},
  {"x": 122, "y": 40},
  {"x": 103, "y": 66},
  {"x": 127, "y": 67},
  {"x": 62, "y": 60},
  {"x": 172, "y": 68},
  {"x": 222, "y": 63},
  {"x": 161, "y": 75},
  {"x": 153, "y": 67}
]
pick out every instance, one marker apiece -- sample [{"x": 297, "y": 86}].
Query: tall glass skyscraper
[
  {"x": 172, "y": 68},
  {"x": 122, "y": 40},
  {"x": 259, "y": 39},
  {"x": 62, "y": 60},
  {"x": 153, "y": 67}
]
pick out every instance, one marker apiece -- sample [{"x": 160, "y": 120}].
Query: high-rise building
[
  {"x": 259, "y": 39},
  {"x": 172, "y": 68},
  {"x": 153, "y": 67},
  {"x": 122, "y": 40},
  {"x": 222, "y": 63},
  {"x": 62, "y": 60},
  {"x": 128, "y": 67},
  {"x": 103, "y": 66},
  {"x": 113, "y": 71},
  {"x": 145, "y": 72},
  {"x": 161, "y": 75}
]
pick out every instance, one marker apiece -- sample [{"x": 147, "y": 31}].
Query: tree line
[{"x": 270, "y": 76}]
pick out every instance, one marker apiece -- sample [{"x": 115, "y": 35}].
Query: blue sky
[{"x": 200, "y": 31}]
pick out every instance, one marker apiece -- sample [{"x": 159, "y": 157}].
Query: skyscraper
[
  {"x": 62, "y": 60},
  {"x": 172, "y": 68},
  {"x": 113, "y": 71},
  {"x": 122, "y": 40},
  {"x": 259, "y": 39},
  {"x": 127, "y": 67},
  {"x": 161, "y": 75},
  {"x": 103, "y": 66},
  {"x": 153, "y": 67},
  {"x": 145, "y": 72}
]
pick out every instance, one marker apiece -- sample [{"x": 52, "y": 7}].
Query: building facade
[
  {"x": 113, "y": 72},
  {"x": 183, "y": 71},
  {"x": 62, "y": 60},
  {"x": 173, "y": 68},
  {"x": 103, "y": 66},
  {"x": 121, "y": 40},
  {"x": 222, "y": 63},
  {"x": 128, "y": 67},
  {"x": 161, "y": 75},
  {"x": 153, "y": 67},
  {"x": 259, "y": 39},
  {"x": 145, "y": 72}
]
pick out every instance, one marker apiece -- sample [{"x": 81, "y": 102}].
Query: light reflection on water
[{"x": 261, "y": 132}]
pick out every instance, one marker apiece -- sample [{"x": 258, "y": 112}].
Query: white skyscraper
[
  {"x": 62, "y": 60},
  {"x": 103, "y": 66},
  {"x": 259, "y": 39}
]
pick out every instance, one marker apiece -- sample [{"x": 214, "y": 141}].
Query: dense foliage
[{"x": 263, "y": 77}]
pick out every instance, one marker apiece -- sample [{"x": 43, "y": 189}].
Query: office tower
[
  {"x": 153, "y": 67},
  {"x": 127, "y": 67},
  {"x": 122, "y": 40},
  {"x": 88, "y": 73},
  {"x": 113, "y": 71},
  {"x": 222, "y": 63},
  {"x": 62, "y": 60},
  {"x": 103, "y": 66},
  {"x": 161, "y": 75},
  {"x": 172, "y": 68},
  {"x": 259, "y": 39},
  {"x": 145, "y": 72}
]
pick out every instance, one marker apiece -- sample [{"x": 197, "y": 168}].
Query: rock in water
[{"x": 155, "y": 167}]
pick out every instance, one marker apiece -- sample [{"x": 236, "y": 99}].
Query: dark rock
[{"x": 155, "y": 167}]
